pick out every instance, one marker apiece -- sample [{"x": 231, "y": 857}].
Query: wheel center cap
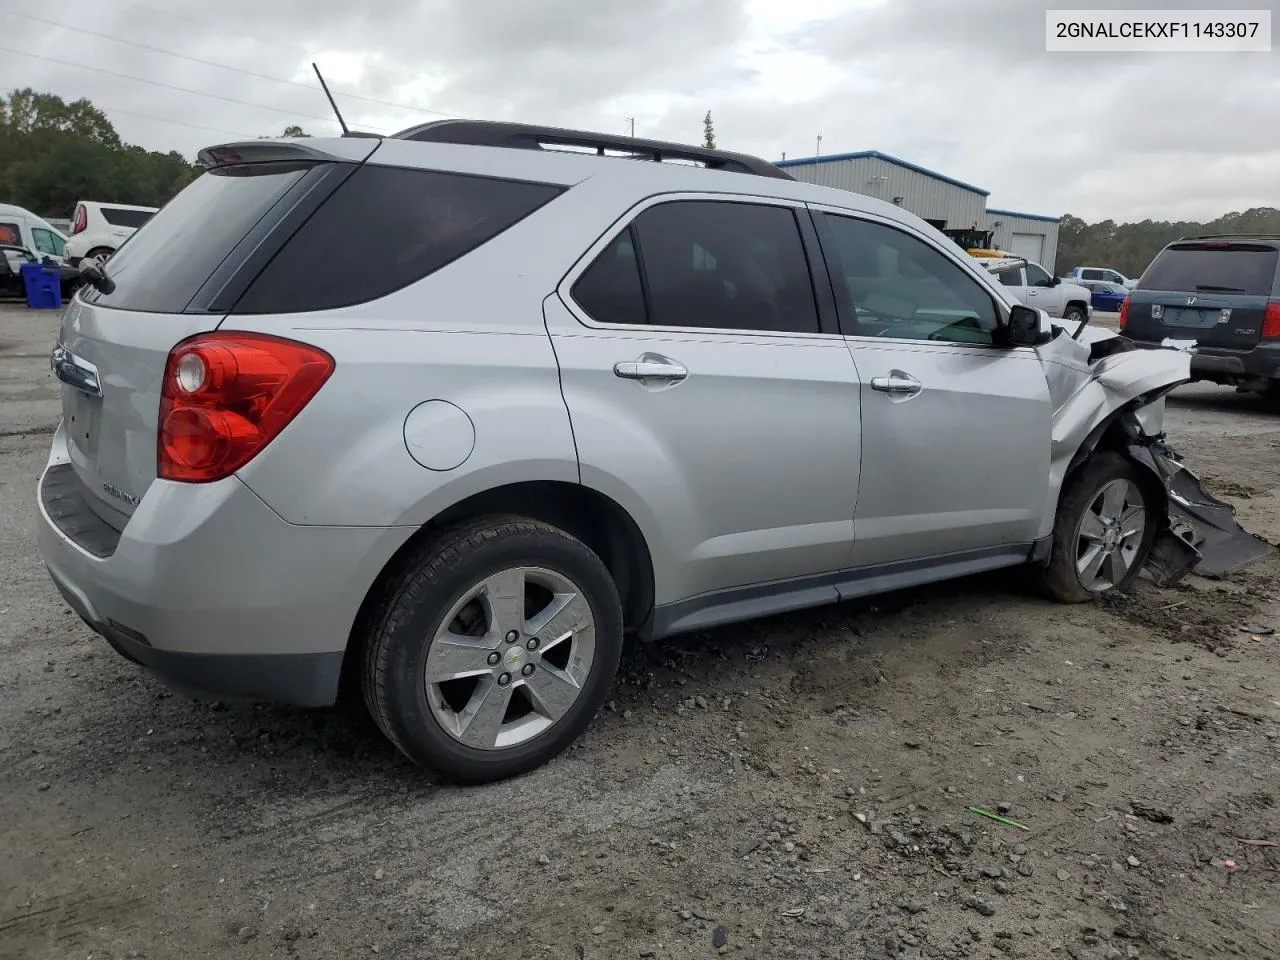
[{"x": 514, "y": 658}]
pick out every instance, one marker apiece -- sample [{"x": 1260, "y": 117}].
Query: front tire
[
  {"x": 492, "y": 648},
  {"x": 1103, "y": 533},
  {"x": 1074, "y": 314}
]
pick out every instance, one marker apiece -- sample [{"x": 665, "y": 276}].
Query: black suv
[{"x": 1222, "y": 292}]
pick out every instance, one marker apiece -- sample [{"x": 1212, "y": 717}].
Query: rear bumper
[
  {"x": 1221, "y": 365},
  {"x": 210, "y": 589}
]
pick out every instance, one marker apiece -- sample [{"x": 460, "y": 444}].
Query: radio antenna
[{"x": 338, "y": 113}]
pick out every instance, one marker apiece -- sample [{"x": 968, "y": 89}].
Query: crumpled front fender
[{"x": 1102, "y": 382}]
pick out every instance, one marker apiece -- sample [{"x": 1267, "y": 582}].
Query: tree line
[
  {"x": 53, "y": 153},
  {"x": 1130, "y": 247}
]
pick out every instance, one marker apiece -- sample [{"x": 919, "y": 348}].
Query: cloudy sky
[{"x": 963, "y": 88}]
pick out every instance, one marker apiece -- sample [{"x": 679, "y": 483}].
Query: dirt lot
[{"x": 795, "y": 787}]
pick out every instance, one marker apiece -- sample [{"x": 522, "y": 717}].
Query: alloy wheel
[
  {"x": 1110, "y": 535},
  {"x": 511, "y": 658}
]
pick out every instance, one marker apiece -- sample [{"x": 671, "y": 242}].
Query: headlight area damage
[{"x": 1109, "y": 394}]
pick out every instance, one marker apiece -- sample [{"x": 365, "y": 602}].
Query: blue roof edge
[
  {"x": 1024, "y": 216},
  {"x": 864, "y": 154}
]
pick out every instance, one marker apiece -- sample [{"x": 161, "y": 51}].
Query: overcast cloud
[{"x": 965, "y": 89}]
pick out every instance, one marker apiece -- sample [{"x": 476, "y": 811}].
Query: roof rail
[
  {"x": 1232, "y": 236},
  {"x": 489, "y": 133}
]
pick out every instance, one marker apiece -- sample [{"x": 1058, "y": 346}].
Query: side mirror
[
  {"x": 1056, "y": 281},
  {"x": 1027, "y": 327}
]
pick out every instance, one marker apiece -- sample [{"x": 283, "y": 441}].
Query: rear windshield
[
  {"x": 384, "y": 228},
  {"x": 1247, "y": 269},
  {"x": 163, "y": 265},
  {"x": 126, "y": 218}
]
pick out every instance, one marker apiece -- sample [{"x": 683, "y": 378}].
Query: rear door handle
[
  {"x": 896, "y": 382},
  {"x": 651, "y": 366},
  {"x": 75, "y": 372}
]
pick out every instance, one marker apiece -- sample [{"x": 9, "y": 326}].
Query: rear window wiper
[
  {"x": 1217, "y": 289},
  {"x": 95, "y": 274}
]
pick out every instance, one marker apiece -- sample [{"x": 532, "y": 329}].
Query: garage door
[{"x": 1028, "y": 245}]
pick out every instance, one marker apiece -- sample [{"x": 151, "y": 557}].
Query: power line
[
  {"x": 181, "y": 123},
  {"x": 168, "y": 86},
  {"x": 221, "y": 66},
  {"x": 107, "y": 108}
]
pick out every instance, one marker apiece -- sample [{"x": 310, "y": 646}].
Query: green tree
[
  {"x": 1130, "y": 247},
  {"x": 708, "y": 132},
  {"x": 293, "y": 130},
  {"x": 53, "y": 153}
]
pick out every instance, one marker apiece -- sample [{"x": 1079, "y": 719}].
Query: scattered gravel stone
[{"x": 980, "y": 905}]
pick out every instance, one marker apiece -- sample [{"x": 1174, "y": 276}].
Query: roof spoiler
[{"x": 353, "y": 150}]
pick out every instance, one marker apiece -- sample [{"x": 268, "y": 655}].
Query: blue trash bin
[{"x": 43, "y": 283}]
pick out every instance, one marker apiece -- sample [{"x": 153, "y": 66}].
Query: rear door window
[
  {"x": 704, "y": 264},
  {"x": 1246, "y": 269},
  {"x": 384, "y": 228},
  {"x": 119, "y": 217},
  {"x": 726, "y": 265},
  {"x": 160, "y": 269}
]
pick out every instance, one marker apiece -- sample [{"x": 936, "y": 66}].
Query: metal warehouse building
[{"x": 945, "y": 202}]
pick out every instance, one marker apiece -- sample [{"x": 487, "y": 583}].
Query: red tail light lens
[
  {"x": 226, "y": 396},
  {"x": 1271, "y": 320},
  {"x": 81, "y": 220},
  {"x": 1124, "y": 313}
]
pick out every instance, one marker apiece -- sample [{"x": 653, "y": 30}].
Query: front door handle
[
  {"x": 651, "y": 366},
  {"x": 75, "y": 372},
  {"x": 896, "y": 382}
]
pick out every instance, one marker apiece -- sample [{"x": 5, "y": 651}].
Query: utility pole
[
  {"x": 632, "y": 122},
  {"x": 818, "y": 151}
]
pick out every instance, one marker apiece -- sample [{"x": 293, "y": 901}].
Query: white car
[
  {"x": 98, "y": 229},
  {"x": 20, "y": 227},
  {"x": 1033, "y": 285}
]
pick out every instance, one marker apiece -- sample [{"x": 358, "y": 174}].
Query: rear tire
[
  {"x": 99, "y": 253},
  {"x": 1103, "y": 533},
  {"x": 491, "y": 648}
]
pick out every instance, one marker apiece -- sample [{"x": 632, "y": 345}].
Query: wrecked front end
[{"x": 1108, "y": 393}]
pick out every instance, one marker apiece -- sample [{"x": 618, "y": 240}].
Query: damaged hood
[{"x": 1102, "y": 376}]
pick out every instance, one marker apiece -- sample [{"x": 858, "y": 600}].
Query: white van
[{"x": 23, "y": 228}]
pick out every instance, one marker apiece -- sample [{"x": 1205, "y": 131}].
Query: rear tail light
[
  {"x": 1271, "y": 320},
  {"x": 1124, "y": 313},
  {"x": 81, "y": 220},
  {"x": 226, "y": 396}
]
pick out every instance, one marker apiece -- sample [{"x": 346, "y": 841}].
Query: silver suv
[{"x": 449, "y": 413}]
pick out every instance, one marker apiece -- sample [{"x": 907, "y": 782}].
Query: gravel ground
[{"x": 795, "y": 787}]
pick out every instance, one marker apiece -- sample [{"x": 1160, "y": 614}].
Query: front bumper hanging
[{"x": 1202, "y": 535}]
